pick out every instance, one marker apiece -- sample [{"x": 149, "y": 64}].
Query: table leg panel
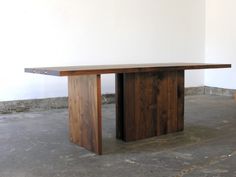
[
  {"x": 84, "y": 101},
  {"x": 136, "y": 105},
  {"x": 130, "y": 116},
  {"x": 145, "y": 105},
  {"x": 149, "y": 104},
  {"x": 167, "y": 117}
]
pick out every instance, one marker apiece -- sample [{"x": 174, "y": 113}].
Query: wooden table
[{"x": 149, "y": 99}]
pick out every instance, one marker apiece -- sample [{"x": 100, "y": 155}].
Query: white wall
[
  {"x": 221, "y": 42},
  {"x": 36, "y": 33}
]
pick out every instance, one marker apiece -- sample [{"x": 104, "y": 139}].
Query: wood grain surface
[
  {"x": 125, "y": 68},
  {"x": 84, "y": 101},
  {"x": 149, "y": 104}
]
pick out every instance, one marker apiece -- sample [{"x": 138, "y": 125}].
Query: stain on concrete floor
[{"x": 36, "y": 144}]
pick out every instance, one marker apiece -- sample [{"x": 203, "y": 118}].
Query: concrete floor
[{"x": 36, "y": 144}]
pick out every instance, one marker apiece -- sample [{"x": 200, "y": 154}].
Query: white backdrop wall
[
  {"x": 35, "y": 33},
  {"x": 221, "y": 41}
]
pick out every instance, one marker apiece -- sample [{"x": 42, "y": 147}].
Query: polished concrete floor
[{"x": 36, "y": 144}]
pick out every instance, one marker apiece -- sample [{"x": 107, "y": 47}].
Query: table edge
[{"x": 53, "y": 72}]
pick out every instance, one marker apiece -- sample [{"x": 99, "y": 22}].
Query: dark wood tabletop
[{"x": 124, "y": 68}]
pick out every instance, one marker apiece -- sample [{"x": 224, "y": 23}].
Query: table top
[{"x": 124, "y": 68}]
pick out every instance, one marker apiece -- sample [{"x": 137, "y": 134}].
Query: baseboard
[
  {"x": 194, "y": 91},
  {"x": 7, "y": 107},
  {"x": 219, "y": 91}
]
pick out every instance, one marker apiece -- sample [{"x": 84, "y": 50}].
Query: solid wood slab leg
[
  {"x": 170, "y": 107},
  {"x": 84, "y": 102},
  {"x": 149, "y": 104}
]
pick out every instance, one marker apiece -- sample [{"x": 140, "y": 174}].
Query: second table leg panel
[{"x": 149, "y": 104}]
